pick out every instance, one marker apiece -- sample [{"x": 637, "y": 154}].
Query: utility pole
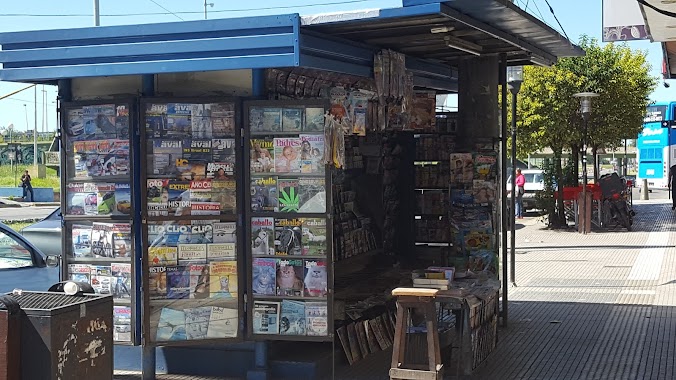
[
  {"x": 205, "y": 8},
  {"x": 97, "y": 19},
  {"x": 35, "y": 126}
]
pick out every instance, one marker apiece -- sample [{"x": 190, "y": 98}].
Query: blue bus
[{"x": 653, "y": 146}]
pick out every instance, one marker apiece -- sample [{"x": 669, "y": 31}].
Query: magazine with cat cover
[
  {"x": 290, "y": 277},
  {"x": 178, "y": 282},
  {"x": 266, "y": 317},
  {"x": 312, "y": 195},
  {"x": 82, "y": 239},
  {"x": 313, "y": 240},
  {"x": 171, "y": 326},
  {"x": 316, "y": 318},
  {"x": 287, "y": 154},
  {"x": 288, "y": 235},
  {"x": 223, "y": 279},
  {"x": 316, "y": 280},
  {"x": 288, "y": 194},
  {"x": 292, "y": 119},
  {"x": 264, "y": 196},
  {"x": 292, "y": 320},
  {"x": 262, "y": 153},
  {"x": 312, "y": 153},
  {"x": 262, "y": 236},
  {"x": 263, "y": 276}
]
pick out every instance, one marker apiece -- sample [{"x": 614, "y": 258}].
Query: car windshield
[
  {"x": 533, "y": 177},
  {"x": 13, "y": 253}
]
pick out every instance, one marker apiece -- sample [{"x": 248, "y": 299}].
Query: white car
[{"x": 535, "y": 181}]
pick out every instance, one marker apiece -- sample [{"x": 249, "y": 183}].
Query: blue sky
[{"x": 577, "y": 17}]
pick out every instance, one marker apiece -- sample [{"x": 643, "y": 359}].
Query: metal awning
[
  {"x": 660, "y": 23},
  {"x": 448, "y": 31}
]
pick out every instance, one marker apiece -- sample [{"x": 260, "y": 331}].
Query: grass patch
[
  {"x": 7, "y": 177},
  {"x": 17, "y": 226}
]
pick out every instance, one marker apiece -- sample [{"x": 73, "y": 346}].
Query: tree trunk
[{"x": 595, "y": 160}]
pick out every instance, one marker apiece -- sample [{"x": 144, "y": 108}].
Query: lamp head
[
  {"x": 514, "y": 78},
  {"x": 586, "y": 103}
]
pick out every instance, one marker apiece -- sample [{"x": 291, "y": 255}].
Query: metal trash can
[
  {"x": 10, "y": 340},
  {"x": 65, "y": 336}
]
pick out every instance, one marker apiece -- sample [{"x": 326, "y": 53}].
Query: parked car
[
  {"x": 23, "y": 265},
  {"x": 46, "y": 234},
  {"x": 535, "y": 181}
]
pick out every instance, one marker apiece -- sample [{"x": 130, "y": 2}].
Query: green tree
[{"x": 548, "y": 114}]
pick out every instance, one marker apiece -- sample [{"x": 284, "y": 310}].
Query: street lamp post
[
  {"x": 514, "y": 80},
  {"x": 585, "y": 110}
]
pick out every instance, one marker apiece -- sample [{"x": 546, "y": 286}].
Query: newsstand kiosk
[{"x": 227, "y": 180}]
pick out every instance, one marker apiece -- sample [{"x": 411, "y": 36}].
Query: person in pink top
[{"x": 520, "y": 183}]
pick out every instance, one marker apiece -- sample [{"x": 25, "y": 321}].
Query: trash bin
[
  {"x": 65, "y": 336},
  {"x": 10, "y": 340}
]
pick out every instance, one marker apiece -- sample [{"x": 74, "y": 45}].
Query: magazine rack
[
  {"x": 290, "y": 265},
  {"x": 97, "y": 152},
  {"x": 191, "y": 236}
]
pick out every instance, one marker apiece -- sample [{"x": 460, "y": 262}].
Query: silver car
[{"x": 46, "y": 234}]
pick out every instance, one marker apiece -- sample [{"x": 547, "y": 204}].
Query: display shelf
[
  {"x": 288, "y": 175},
  {"x": 435, "y": 243},
  {"x": 83, "y": 260},
  {"x": 431, "y": 189},
  {"x": 295, "y": 298},
  {"x": 291, "y": 257}
]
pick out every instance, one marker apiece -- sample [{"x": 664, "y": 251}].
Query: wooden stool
[{"x": 423, "y": 299}]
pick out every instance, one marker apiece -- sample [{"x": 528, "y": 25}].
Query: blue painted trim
[
  {"x": 258, "y": 82},
  {"x": 296, "y": 39},
  {"x": 145, "y": 30},
  {"x": 135, "y": 68},
  {"x": 335, "y": 65},
  {"x": 145, "y": 49}
]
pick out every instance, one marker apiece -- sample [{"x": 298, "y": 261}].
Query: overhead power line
[
  {"x": 179, "y": 13},
  {"x": 557, "y": 20},
  {"x": 159, "y": 5}
]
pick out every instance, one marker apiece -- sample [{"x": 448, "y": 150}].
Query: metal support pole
[
  {"x": 584, "y": 179},
  {"x": 35, "y": 127},
  {"x": 149, "y": 363},
  {"x": 97, "y": 19},
  {"x": 512, "y": 253},
  {"x": 503, "y": 187}
]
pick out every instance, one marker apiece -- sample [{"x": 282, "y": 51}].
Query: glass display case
[
  {"x": 290, "y": 265},
  {"x": 191, "y": 256},
  {"x": 96, "y": 204}
]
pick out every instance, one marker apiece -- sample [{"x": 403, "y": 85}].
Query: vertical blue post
[
  {"x": 260, "y": 372},
  {"x": 65, "y": 94},
  {"x": 149, "y": 358}
]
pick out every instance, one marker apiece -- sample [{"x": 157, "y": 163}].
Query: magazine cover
[
  {"x": 122, "y": 199},
  {"x": 156, "y": 120},
  {"x": 197, "y": 322},
  {"x": 477, "y": 240},
  {"x": 197, "y": 149},
  {"x": 157, "y": 197},
  {"x": 102, "y": 239},
  {"x": 179, "y": 198},
  {"x": 262, "y": 156},
  {"x": 76, "y": 193},
  {"x": 201, "y": 121},
  {"x": 81, "y": 235},
  {"x": 162, "y": 256},
  {"x": 292, "y": 119},
  {"x": 263, "y": 279},
  {"x": 312, "y": 195},
  {"x": 316, "y": 318},
  {"x": 122, "y": 323},
  {"x": 314, "y": 120},
  {"x": 122, "y": 121},
  {"x": 287, "y": 194},
  {"x": 198, "y": 232},
  {"x": 80, "y": 272},
  {"x": 220, "y": 170},
  {"x": 485, "y": 167},
  {"x": 192, "y": 253},
  {"x": 121, "y": 280},
  {"x": 483, "y": 191},
  {"x": 225, "y": 232},
  {"x": 265, "y": 119},
  {"x": 75, "y": 124},
  {"x": 223, "y": 282},
  {"x": 91, "y": 203},
  {"x": 314, "y": 237},
  {"x": 315, "y": 278},
  {"x": 264, "y": 194},
  {"x": 178, "y": 282},
  {"x": 462, "y": 168},
  {"x": 99, "y": 121},
  {"x": 162, "y": 162},
  {"x": 101, "y": 279},
  {"x": 122, "y": 240},
  {"x": 222, "y": 323},
  {"x": 289, "y": 277},
  {"x": 199, "y": 280},
  {"x": 224, "y": 192},
  {"x": 190, "y": 170},
  {"x": 262, "y": 236},
  {"x": 171, "y": 325},
  {"x": 179, "y": 124},
  {"x": 288, "y": 235},
  {"x": 312, "y": 154},
  {"x": 222, "y": 119},
  {"x": 201, "y": 202},
  {"x": 287, "y": 154},
  {"x": 292, "y": 320},
  {"x": 265, "y": 317},
  {"x": 223, "y": 150},
  {"x": 163, "y": 234},
  {"x": 157, "y": 283},
  {"x": 221, "y": 251},
  {"x": 105, "y": 198}
]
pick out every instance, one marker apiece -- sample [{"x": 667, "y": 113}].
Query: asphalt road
[{"x": 23, "y": 213}]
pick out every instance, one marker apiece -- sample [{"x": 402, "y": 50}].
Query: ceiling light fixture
[
  {"x": 442, "y": 29},
  {"x": 462, "y": 45}
]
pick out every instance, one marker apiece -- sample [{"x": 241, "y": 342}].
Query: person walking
[
  {"x": 27, "y": 187},
  {"x": 520, "y": 183},
  {"x": 672, "y": 188}
]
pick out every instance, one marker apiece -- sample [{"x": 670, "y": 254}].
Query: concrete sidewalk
[{"x": 596, "y": 306}]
